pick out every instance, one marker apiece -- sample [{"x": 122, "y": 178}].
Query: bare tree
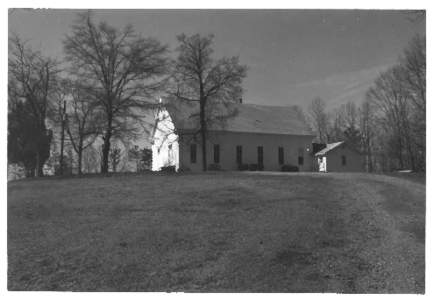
[
  {"x": 115, "y": 157},
  {"x": 32, "y": 82},
  {"x": 58, "y": 117},
  {"x": 124, "y": 70},
  {"x": 91, "y": 159},
  {"x": 200, "y": 78},
  {"x": 344, "y": 122},
  {"x": 319, "y": 119},
  {"x": 414, "y": 65},
  {"x": 366, "y": 125},
  {"x": 398, "y": 98},
  {"x": 349, "y": 114},
  {"x": 350, "y": 125},
  {"x": 84, "y": 119},
  {"x": 391, "y": 98}
]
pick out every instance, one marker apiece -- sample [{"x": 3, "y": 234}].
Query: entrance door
[{"x": 322, "y": 161}]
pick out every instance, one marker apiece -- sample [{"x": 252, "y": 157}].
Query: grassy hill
[{"x": 351, "y": 233}]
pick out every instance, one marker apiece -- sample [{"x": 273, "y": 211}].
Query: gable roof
[
  {"x": 328, "y": 148},
  {"x": 243, "y": 117}
]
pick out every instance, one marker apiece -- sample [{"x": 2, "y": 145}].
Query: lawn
[{"x": 221, "y": 232}]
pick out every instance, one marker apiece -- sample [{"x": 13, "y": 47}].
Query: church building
[{"x": 239, "y": 134}]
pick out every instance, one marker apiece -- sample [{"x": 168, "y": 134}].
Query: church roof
[
  {"x": 241, "y": 117},
  {"x": 328, "y": 148}
]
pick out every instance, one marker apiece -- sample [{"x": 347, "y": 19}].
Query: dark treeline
[
  {"x": 389, "y": 127},
  {"x": 86, "y": 111},
  {"x": 99, "y": 91}
]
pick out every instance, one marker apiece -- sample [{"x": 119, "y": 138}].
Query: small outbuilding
[{"x": 338, "y": 157}]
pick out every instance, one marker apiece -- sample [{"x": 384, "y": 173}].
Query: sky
[{"x": 292, "y": 56}]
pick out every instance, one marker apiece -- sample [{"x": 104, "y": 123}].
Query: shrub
[
  {"x": 214, "y": 167},
  {"x": 289, "y": 168},
  {"x": 256, "y": 167},
  {"x": 184, "y": 169},
  {"x": 243, "y": 167},
  {"x": 67, "y": 168},
  {"x": 253, "y": 167},
  {"x": 168, "y": 169}
]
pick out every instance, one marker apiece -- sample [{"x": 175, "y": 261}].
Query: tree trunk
[
  {"x": 62, "y": 138},
  {"x": 369, "y": 159},
  {"x": 80, "y": 154},
  {"x": 400, "y": 156},
  {"x": 41, "y": 170},
  {"x": 410, "y": 151},
  {"x": 203, "y": 134},
  {"x": 409, "y": 143},
  {"x": 39, "y": 166},
  {"x": 106, "y": 147},
  {"x": 29, "y": 171},
  {"x": 203, "y": 140},
  {"x": 105, "y": 154}
]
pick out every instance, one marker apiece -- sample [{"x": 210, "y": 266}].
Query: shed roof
[
  {"x": 242, "y": 118},
  {"x": 328, "y": 148}
]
